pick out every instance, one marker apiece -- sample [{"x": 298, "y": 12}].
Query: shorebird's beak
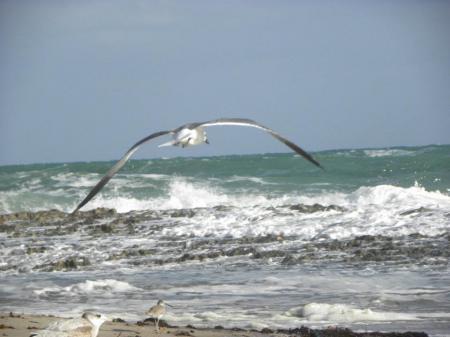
[
  {"x": 206, "y": 141},
  {"x": 170, "y": 305}
]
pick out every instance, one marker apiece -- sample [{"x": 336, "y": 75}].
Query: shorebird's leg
[{"x": 157, "y": 324}]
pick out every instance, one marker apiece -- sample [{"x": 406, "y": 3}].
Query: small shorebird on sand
[
  {"x": 87, "y": 326},
  {"x": 157, "y": 311},
  {"x": 188, "y": 135}
]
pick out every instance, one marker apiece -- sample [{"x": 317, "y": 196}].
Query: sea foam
[
  {"x": 387, "y": 152},
  {"x": 378, "y": 210},
  {"x": 105, "y": 286},
  {"x": 343, "y": 313}
]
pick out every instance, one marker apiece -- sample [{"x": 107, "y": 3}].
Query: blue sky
[{"x": 84, "y": 80}]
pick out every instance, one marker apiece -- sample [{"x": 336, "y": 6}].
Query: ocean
[{"x": 247, "y": 241}]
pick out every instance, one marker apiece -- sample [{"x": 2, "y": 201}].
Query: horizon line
[{"x": 222, "y": 155}]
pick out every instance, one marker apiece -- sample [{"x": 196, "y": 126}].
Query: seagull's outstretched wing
[
  {"x": 249, "y": 122},
  {"x": 117, "y": 166}
]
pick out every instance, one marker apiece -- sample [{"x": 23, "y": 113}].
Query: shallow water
[{"x": 246, "y": 241}]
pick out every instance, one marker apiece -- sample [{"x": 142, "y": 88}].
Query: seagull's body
[
  {"x": 68, "y": 324},
  {"x": 80, "y": 332},
  {"x": 188, "y": 135},
  {"x": 157, "y": 311},
  {"x": 87, "y": 326}
]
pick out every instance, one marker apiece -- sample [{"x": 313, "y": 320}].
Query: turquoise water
[
  {"x": 240, "y": 241},
  {"x": 62, "y": 186}
]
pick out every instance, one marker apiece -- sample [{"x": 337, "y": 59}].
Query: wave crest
[
  {"x": 104, "y": 287},
  {"x": 342, "y": 313}
]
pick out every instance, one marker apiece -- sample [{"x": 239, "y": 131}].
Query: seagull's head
[{"x": 94, "y": 318}]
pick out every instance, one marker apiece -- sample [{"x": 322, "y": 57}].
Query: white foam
[
  {"x": 374, "y": 210},
  {"x": 343, "y": 313},
  {"x": 105, "y": 286},
  {"x": 28, "y": 201},
  {"x": 77, "y": 181},
  {"x": 313, "y": 313},
  {"x": 255, "y": 180},
  {"x": 387, "y": 152},
  {"x": 181, "y": 194},
  {"x": 371, "y": 210},
  {"x": 378, "y": 210},
  {"x": 153, "y": 176}
]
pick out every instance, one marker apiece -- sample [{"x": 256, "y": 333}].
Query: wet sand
[{"x": 20, "y": 325}]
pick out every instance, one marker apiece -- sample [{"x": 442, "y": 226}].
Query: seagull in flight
[{"x": 188, "y": 135}]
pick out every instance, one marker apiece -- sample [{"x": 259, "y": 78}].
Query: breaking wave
[
  {"x": 343, "y": 313},
  {"x": 106, "y": 286},
  {"x": 387, "y": 152}
]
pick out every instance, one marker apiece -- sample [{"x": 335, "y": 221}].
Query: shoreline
[{"x": 22, "y": 325}]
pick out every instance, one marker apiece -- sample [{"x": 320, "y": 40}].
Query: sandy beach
[
  {"x": 22, "y": 325},
  {"x": 17, "y": 325}
]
